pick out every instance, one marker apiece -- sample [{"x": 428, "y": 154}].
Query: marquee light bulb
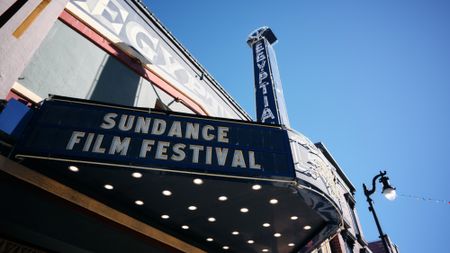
[
  {"x": 73, "y": 168},
  {"x": 256, "y": 187},
  {"x": 198, "y": 181},
  {"x": 136, "y": 175},
  {"x": 108, "y": 187}
]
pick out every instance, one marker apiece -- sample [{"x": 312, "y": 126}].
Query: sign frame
[{"x": 222, "y": 147}]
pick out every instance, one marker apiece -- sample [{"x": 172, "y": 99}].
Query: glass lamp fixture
[
  {"x": 388, "y": 191},
  {"x": 390, "y": 194}
]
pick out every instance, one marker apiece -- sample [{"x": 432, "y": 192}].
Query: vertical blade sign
[{"x": 266, "y": 106}]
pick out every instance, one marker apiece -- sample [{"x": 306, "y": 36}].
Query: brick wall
[{"x": 337, "y": 244}]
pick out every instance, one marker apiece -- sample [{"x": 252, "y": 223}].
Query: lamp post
[{"x": 388, "y": 192}]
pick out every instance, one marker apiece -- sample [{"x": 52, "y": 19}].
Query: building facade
[
  {"x": 377, "y": 246},
  {"x": 86, "y": 73}
]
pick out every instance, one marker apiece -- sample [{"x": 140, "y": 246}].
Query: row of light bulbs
[
  {"x": 256, "y": 187},
  {"x": 199, "y": 181}
]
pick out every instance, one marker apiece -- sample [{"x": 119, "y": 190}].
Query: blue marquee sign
[{"x": 80, "y": 130}]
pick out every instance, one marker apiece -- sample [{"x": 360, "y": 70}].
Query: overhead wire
[{"x": 426, "y": 199}]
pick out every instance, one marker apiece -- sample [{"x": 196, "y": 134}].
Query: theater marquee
[{"x": 79, "y": 130}]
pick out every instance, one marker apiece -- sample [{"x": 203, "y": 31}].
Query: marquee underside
[{"x": 277, "y": 220}]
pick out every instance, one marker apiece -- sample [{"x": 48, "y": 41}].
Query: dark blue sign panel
[
  {"x": 79, "y": 130},
  {"x": 266, "y": 105}
]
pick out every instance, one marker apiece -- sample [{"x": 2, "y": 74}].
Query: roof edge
[{"x": 330, "y": 158}]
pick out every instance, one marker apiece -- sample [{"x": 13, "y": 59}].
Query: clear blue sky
[{"x": 370, "y": 79}]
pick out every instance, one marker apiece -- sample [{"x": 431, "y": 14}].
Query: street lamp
[{"x": 389, "y": 193}]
